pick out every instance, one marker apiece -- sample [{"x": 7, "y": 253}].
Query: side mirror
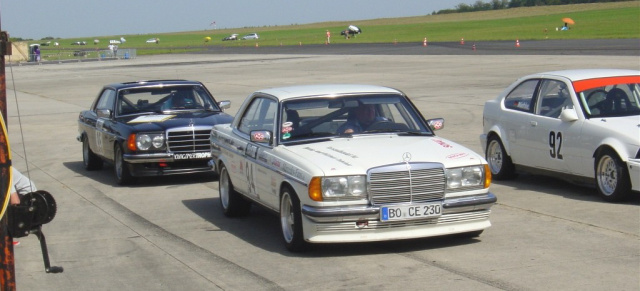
[
  {"x": 568, "y": 115},
  {"x": 104, "y": 113},
  {"x": 261, "y": 136},
  {"x": 226, "y": 104},
  {"x": 436, "y": 123}
]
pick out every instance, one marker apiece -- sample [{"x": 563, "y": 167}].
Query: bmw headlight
[
  {"x": 146, "y": 141},
  {"x": 465, "y": 177},
  {"x": 338, "y": 188}
]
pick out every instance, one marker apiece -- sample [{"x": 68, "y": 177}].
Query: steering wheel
[{"x": 379, "y": 124}]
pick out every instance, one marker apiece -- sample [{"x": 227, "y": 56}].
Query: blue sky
[{"x": 36, "y": 19}]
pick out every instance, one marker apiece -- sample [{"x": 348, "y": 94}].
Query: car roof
[
  {"x": 152, "y": 83},
  {"x": 284, "y": 93},
  {"x": 585, "y": 74}
]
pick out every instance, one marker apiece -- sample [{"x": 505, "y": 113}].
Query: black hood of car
[{"x": 178, "y": 119}]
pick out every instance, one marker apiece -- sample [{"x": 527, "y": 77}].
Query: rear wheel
[
  {"x": 232, "y": 203},
  {"x": 291, "y": 221},
  {"x": 612, "y": 177},
  {"x": 499, "y": 162},
  {"x": 90, "y": 160},
  {"x": 121, "y": 168}
]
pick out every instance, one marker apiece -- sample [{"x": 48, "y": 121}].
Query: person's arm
[{"x": 14, "y": 199}]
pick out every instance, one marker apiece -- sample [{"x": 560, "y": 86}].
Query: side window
[
  {"x": 553, "y": 97},
  {"x": 106, "y": 100},
  {"x": 260, "y": 115},
  {"x": 521, "y": 98}
]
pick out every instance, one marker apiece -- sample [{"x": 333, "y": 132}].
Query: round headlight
[
  {"x": 158, "y": 141},
  {"x": 143, "y": 142}
]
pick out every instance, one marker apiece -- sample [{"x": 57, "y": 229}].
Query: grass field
[{"x": 593, "y": 21}]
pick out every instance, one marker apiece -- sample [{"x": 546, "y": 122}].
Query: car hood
[
  {"x": 356, "y": 155},
  {"x": 160, "y": 122},
  {"x": 627, "y": 127}
]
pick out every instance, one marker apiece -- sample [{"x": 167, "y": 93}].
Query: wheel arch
[
  {"x": 496, "y": 131},
  {"x": 615, "y": 146}
]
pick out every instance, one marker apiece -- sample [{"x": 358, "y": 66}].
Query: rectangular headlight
[
  {"x": 350, "y": 187},
  {"x": 465, "y": 177}
]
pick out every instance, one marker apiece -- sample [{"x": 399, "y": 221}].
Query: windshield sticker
[
  {"x": 286, "y": 129},
  {"x": 151, "y": 118}
]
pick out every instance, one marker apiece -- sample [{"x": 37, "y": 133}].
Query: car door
[
  {"x": 259, "y": 115},
  {"x": 102, "y": 134},
  {"x": 516, "y": 120},
  {"x": 262, "y": 173},
  {"x": 550, "y": 137}
]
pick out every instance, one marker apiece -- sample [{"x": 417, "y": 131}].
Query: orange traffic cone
[
  {"x": 424, "y": 42},
  {"x": 517, "y": 43},
  {"x": 462, "y": 40}
]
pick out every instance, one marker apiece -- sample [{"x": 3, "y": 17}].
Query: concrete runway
[{"x": 169, "y": 233}]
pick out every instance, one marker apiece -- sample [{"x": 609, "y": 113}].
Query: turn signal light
[
  {"x": 315, "y": 189},
  {"x": 487, "y": 176}
]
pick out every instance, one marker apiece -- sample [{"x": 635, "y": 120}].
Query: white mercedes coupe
[{"x": 348, "y": 163}]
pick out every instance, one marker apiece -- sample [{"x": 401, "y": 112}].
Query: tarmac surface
[{"x": 169, "y": 233}]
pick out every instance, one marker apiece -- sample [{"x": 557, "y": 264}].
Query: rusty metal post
[{"x": 7, "y": 270}]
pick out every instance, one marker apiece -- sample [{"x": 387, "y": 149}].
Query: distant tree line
[{"x": 504, "y": 4}]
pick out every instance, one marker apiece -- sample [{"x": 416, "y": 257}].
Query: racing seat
[{"x": 616, "y": 101}]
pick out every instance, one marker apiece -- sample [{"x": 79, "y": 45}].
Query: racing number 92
[{"x": 555, "y": 143}]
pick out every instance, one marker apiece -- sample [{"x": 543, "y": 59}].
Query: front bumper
[
  {"x": 363, "y": 224},
  {"x": 161, "y": 164},
  {"x": 358, "y": 213}
]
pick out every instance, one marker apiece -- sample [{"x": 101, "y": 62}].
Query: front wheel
[
  {"x": 121, "y": 168},
  {"x": 612, "y": 177},
  {"x": 291, "y": 221},
  {"x": 499, "y": 162},
  {"x": 232, "y": 203}
]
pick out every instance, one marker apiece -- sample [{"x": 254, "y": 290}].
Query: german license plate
[
  {"x": 411, "y": 211},
  {"x": 189, "y": 156}
]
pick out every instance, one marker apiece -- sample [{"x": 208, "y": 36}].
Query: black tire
[
  {"x": 291, "y": 221},
  {"x": 90, "y": 160},
  {"x": 232, "y": 203},
  {"x": 121, "y": 168},
  {"x": 500, "y": 163},
  {"x": 612, "y": 177}
]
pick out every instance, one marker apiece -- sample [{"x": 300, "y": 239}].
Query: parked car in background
[
  {"x": 348, "y": 163},
  {"x": 250, "y": 36},
  {"x": 580, "y": 125},
  {"x": 150, "y": 128},
  {"x": 153, "y": 40},
  {"x": 79, "y": 43},
  {"x": 351, "y": 30},
  {"x": 231, "y": 37}
]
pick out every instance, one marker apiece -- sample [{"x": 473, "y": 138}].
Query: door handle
[{"x": 533, "y": 123}]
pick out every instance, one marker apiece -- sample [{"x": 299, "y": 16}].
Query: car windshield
[
  {"x": 311, "y": 118},
  {"x": 611, "y": 100},
  {"x": 164, "y": 99}
]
